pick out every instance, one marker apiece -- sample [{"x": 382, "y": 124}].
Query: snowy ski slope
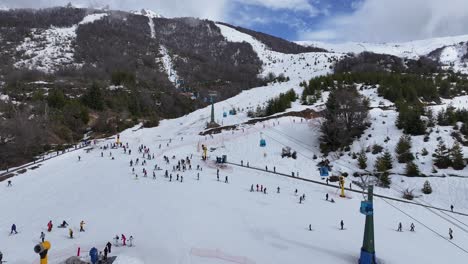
[{"x": 206, "y": 221}]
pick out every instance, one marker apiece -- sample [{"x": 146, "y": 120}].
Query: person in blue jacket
[
  {"x": 13, "y": 229},
  {"x": 93, "y": 253}
]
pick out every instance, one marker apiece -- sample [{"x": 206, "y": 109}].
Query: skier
[
  {"x": 79, "y": 158},
  {"x": 177, "y": 177},
  {"x": 257, "y": 187},
  {"x": 131, "y": 163},
  {"x": 42, "y": 237},
  {"x": 49, "y": 226},
  {"x": 154, "y": 176},
  {"x": 170, "y": 177},
  {"x": 327, "y": 181},
  {"x": 116, "y": 239},
  {"x": 310, "y": 227},
  {"x": 217, "y": 176},
  {"x": 102, "y": 154},
  {"x": 124, "y": 240},
  {"x": 109, "y": 247},
  {"x": 251, "y": 188},
  {"x": 130, "y": 240},
  {"x": 261, "y": 188},
  {"x": 9, "y": 184},
  {"x": 264, "y": 190},
  {"x": 451, "y": 233},
  {"x": 266, "y": 168},
  {"x": 70, "y": 232},
  {"x": 342, "y": 225},
  {"x": 333, "y": 201},
  {"x": 412, "y": 227},
  {"x": 278, "y": 190},
  {"x": 400, "y": 226},
  {"x": 274, "y": 169},
  {"x": 217, "y": 173},
  {"x": 295, "y": 192},
  {"x": 451, "y": 207},
  {"x": 198, "y": 176},
  {"x": 13, "y": 229},
  {"x": 1, "y": 257},
  {"x": 181, "y": 178},
  {"x": 300, "y": 199},
  {"x": 226, "y": 180},
  {"x": 326, "y": 196},
  {"x": 105, "y": 254},
  {"x": 82, "y": 226}
]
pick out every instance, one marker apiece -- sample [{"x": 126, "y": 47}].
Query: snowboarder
[
  {"x": 278, "y": 190},
  {"x": 400, "y": 227},
  {"x": 70, "y": 232},
  {"x": 342, "y": 225},
  {"x": 42, "y": 237},
  {"x": 109, "y": 246},
  {"x": 82, "y": 226},
  {"x": 64, "y": 224},
  {"x": 412, "y": 227},
  {"x": 124, "y": 240},
  {"x": 333, "y": 201},
  {"x": 451, "y": 233},
  {"x": 226, "y": 180},
  {"x": 264, "y": 190},
  {"x": 13, "y": 229},
  {"x": 9, "y": 184},
  {"x": 326, "y": 196},
  {"x": 49, "y": 226}
]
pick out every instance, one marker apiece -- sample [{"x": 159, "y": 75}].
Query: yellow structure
[
  {"x": 118, "y": 139},
  {"x": 42, "y": 249},
  {"x": 342, "y": 186}
]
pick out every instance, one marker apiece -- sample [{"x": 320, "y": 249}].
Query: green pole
[{"x": 368, "y": 241}]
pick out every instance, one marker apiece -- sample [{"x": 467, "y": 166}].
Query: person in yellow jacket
[
  {"x": 70, "y": 232},
  {"x": 82, "y": 226}
]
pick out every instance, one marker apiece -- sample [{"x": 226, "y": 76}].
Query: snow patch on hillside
[
  {"x": 296, "y": 66},
  {"x": 168, "y": 65},
  {"x": 151, "y": 25},
  {"x": 147, "y": 13},
  {"x": 451, "y": 57},
  {"x": 49, "y": 49}
]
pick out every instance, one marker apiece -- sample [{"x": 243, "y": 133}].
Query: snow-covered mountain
[{"x": 449, "y": 51}]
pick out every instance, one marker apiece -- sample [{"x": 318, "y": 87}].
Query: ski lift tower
[
  {"x": 368, "y": 247},
  {"x": 212, "y": 123}
]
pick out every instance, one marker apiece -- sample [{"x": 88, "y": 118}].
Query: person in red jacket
[
  {"x": 49, "y": 226},
  {"x": 124, "y": 240}
]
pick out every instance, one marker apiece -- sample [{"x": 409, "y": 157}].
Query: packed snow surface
[{"x": 210, "y": 221}]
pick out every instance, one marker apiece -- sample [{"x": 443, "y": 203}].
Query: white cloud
[
  {"x": 397, "y": 20},
  {"x": 294, "y": 5},
  {"x": 170, "y": 8}
]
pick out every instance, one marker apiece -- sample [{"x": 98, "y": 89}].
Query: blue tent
[
  {"x": 224, "y": 114},
  {"x": 262, "y": 142},
  {"x": 324, "y": 171}
]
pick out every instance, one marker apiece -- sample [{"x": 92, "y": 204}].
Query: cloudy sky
[{"x": 325, "y": 20}]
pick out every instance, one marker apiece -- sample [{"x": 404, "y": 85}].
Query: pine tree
[
  {"x": 387, "y": 160},
  {"x": 412, "y": 169},
  {"x": 385, "y": 180},
  {"x": 403, "y": 149},
  {"x": 362, "y": 160},
  {"x": 427, "y": 189},
  {"x": 441, "y": 156},
  {"x": 456, "y": 156}
]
